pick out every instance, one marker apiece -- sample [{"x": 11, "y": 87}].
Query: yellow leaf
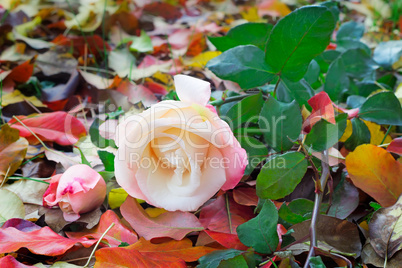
[
  {"x": 117, "y": 197},
  {"x": 17, "y": 96},
  {"x": 376, "y": 133},
  {"x": 376, "y": 172},
  {"x": 201, "y": 60},
  {"x": 251, "y": 14},
  {"x": 398, "y": 93},
  {"x": 155, "y": 212}
]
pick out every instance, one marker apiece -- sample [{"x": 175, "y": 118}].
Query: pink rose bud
[{"x": 78, "y": 190}]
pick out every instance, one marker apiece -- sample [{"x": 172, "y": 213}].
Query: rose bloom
[
  {"x": 177, "y": 154},
  {"x": 78, "y": 190}
]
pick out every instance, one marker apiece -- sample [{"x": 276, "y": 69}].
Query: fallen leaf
[
  {"x": 376, "y": 172},
  {"x": 227, "y": 240},
  {"x": 115, "y": 236},
  {"x": 17, "y": 96},
  {"x": 175, "y": 225},
  {"x": 123, "y": 257},
  {"x": 11, "y": 206},
  {"x": 43, "y": 241},
  {"x": 59, "y": 127},
  {"x": 12, "y": 151},
  {"x": 224, "y": 215},
  {"x": 28, "y": 191},
  {"x": 10, "y": 261},
  {"x": 370, "y": 256},
  {"x": 202, "y": 59},
  {"x": 246, "y": 196},
  {"x": 22, "y": 72},
  {"x": 385, "y": 230},
  {"x": 322, "y": 108},
  {"x": 117, "y": 197},
  {"x": 376, "y": 134},
  {"x": 395, "y": 146}
]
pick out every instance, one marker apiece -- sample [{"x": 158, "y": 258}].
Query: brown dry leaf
[
  {"x": 12, "y": 150},
  {"x": 369, "y": 256},
  {"x": 386, "y": 230}
]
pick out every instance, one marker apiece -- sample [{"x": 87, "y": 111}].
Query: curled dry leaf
[
  {"x": 376, "y": 172},
  {"x": 386, "y": 230},
  {"x": 12, "y": 151}
]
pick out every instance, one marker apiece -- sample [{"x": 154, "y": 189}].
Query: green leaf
[
  {"x": 213, "y": 259},
  {"x": 260, "y": 232},
  {"x": 280, "y": 175},
  {"x": 358, "y": 64},
  {"x": 382, "y": 108},
  {"x": 326, "y": 58},
  {"x": 324, "y": 135},
  {"x": 297, "y": 39},
  {"x": 142, "y": 43},
  {"x": 256, "y": 152},
  {"x": 298, "y": 210},
  {"x": 300, "y": 91},
  {"x": 245, "y": 34},
  {"x": 107, "y": 160},
  {"x": 11, "y": 206},
  {"x": 333, "y": 7},
  {"x": 280, "y": 122},
  {"x": 238, "y": 262},
  {"x": 245, "y": 111},
  {"x": 387, "y": 53},
  {"x": 346, "y": 44},
  {"x": 316, "y": 262},
  {"x": 365, "y": 88},
  {"x": 83, "y": 158},
  {"x": 350, "y": 30},
  {"x": 313, "y": 72},
  {"x": 244, "y": 65},
  {"x": 96, "y": 138},
  {"x": 360, "y": 134},
  {"x": 336, "y": 81}
]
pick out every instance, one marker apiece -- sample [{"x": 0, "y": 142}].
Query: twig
[
  {"x": 97, "y": 244},
  {"x": 317, "y": 204}
]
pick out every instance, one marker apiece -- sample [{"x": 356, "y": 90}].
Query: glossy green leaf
[
  {"x": 213, "y": 259},
  {"x": 245, "y": 34},
  {"x": 107, "y": 159},
  {"x": 280, "y": 123},
  {"x": 324, "y": 135},
  {"x": 336, "y": 81},
  {"x": 298, "y": 38},
  {"x": 365, "y": 88},
  {"x": 382, "y": 108},
  {"x": 300, "y": 91},
  {"x": 280, "y": 175},
  {"x": 256, "y": 152},
  {"x": 245, "y": 111},
  {"x": 346, "y": 44},
  {"x": 244, "y": 65},
  {"x": 358, "y": 64},
  {"x": 297, "y": 211},
  {"x": 350, "y": 30},
  {"x": 360, "y": 135},
  {"x": 260, "y": 232},
  {"x": 316, "y": 262},
  {"x": 238, "y": 262},
  {"x": 387, "y": 53},
  {"x": 313, "y": 72},
  {"x": 326, "y": 58},
  {"x": 96, "y": 138}
]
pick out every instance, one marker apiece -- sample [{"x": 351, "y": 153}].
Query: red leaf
[
  {"x": 215, "y": 216},
  {"x": 182, "y": 249},
  {"x": 246, "y": 196},
  {"x": 322, "y": 108},
  {"x": 175, "y": 225},
  {"x": 59, "y": 127},
  {"x": 123, "y": 257},
  {"x": 395, "y": 146},
  {"x": 227, "y": 240},
  {"x": 94, "y": 44},
  {"x": 22, "y": 72},
  {"x": 165, "y": 10},
  {"x": 9, "y": 261},
  {"x": 42, "y": 242},
  {"x": 115, "y": 236}
]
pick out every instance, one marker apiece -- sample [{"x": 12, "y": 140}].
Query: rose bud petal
[
  {"x": 78, "y": 190},
  {"x": 178, "y": 154}
]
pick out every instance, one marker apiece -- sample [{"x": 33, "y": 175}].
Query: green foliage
[
  {"x": 260, "y": 232},
  {"x": 361, "y": 134}
]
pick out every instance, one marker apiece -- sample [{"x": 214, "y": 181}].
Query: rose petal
[{"x": 192, "y": 90}]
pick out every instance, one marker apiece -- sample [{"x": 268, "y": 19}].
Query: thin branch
[
  {"x": 97, "y": 244},
  {"x": 319, "y": 192}
]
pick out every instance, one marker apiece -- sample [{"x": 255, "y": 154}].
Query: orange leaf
[
  {"x": 182, "y": 249},
  {"x": 376, "y": 172},
  {"x": 59, "y": 127},
  {"x": 123, "y": 257},
  {"x": 23, "y": 72}
]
